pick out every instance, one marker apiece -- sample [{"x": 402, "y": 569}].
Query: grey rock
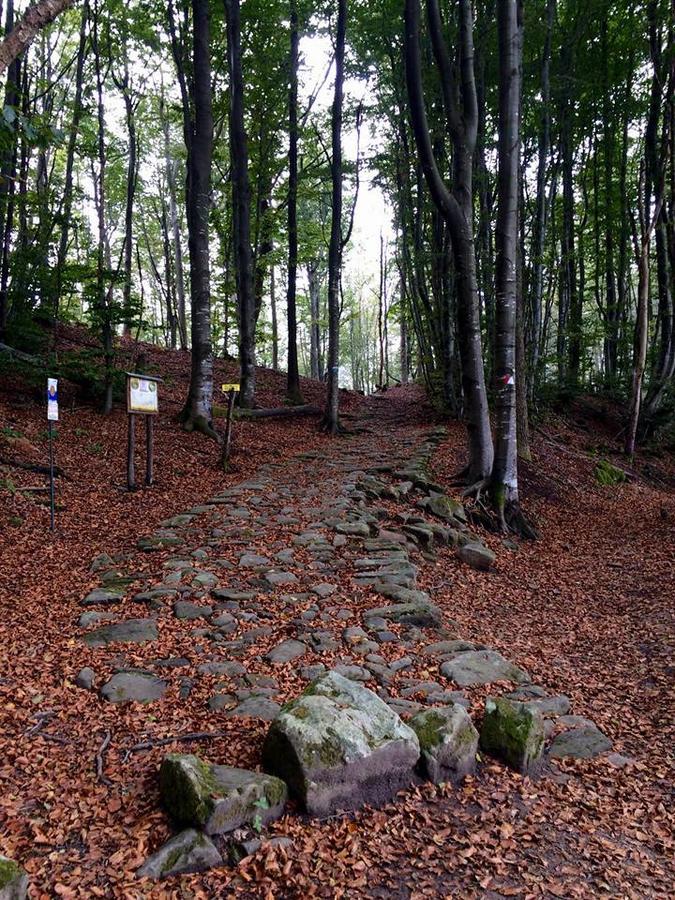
[
  {"x": 13, "y": 880},
  {"x": 424, "y": 614},
  {"x": 339, "y": 746},
  {"x": 229, "y": 667},
  {"x": 312, "y": 672},
  {"x": 253, "y": 561},
  {"x": 582, "y": 742},
  {"x": 222, "y": 701},
  {"x": 286, "y": 651},
  {"x": 514, "y": 733},
  {"x": 277, "y": 578},
  {"x": 324, "y": 590},
  {"x": 477, "y": 556},
  {"x": 448, "y": 741},
  {"x": 238, "y": 596},
  {"x": 142, "y": 687},
  {"x": 353, "y": 673},
  {"x": 87, "y": 619},
  {"x": 441, "y": 648},
  {"x": 444, "y": 507},
  {"x": 130, "y": 631},
  {"x": 356, "y": 529},
  {"x": 85, "y": 678},
  {"x": 103, "y": 596},
  {"x": 218, "y": 799},
  {"x": 482, "y": 667},
  {"x": 256, "y": 707},
  {"x": 185, "y": 609}
]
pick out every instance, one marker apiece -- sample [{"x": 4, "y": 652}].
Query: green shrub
[{"x": 608, "y": 475}]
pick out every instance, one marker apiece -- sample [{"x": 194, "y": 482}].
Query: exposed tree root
[
  {"x": 199, "y": 423},
  {"x": 476, "y": 489}
]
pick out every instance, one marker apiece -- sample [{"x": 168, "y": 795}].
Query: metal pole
[
  {"x": 148, "y": 449},
  {"x": 228, "y": 427},
  {"x": 131, "y": 471},
  {"x": 51, "y": 476}
]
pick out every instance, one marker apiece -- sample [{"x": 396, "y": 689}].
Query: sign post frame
[
  {"x": 231, "y": 390},
  {"x": 142, "y": 399},
  {"x": 52, "y": 416}
]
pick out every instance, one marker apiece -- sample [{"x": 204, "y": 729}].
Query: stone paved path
[{"x": 312, "y": 563}]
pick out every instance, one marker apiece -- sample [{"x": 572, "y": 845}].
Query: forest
[{"x": 431, "y": 245}]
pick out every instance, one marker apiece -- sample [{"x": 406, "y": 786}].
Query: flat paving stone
[
  {"x": 131, "y": 631},
  {"x": 141, "y": 687},
  {"x": 286, "y": 651},
  {"x": 482, "y": 667},
  {"x": 256, "y": 708}
]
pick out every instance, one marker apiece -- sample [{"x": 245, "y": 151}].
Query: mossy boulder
[
  {"x": 514, "y": 732},
  {"x": 448, "y": 741},
  {"x": 13, "y": 880},
  {"x": 339, "y": 746},
  {"x": 189, "y": 851},
  {"x": 444, "y": 507},
  {"x": 218, "y": 798},
  {"x": 476, "y": 555}
]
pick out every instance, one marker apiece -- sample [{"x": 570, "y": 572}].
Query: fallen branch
[
  {"x": 19, "y": 354},
  {"x": 174, "y": 739},
  {"x": 100, "y": 762},
  {"x": 306, "y": 410},
  {"x": 30, "y": 467}
]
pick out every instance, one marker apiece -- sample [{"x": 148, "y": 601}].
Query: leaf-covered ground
[{"x": 588, "y": 611}]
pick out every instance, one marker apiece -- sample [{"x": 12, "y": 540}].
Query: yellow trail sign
[{"x": 226, "y": 388}]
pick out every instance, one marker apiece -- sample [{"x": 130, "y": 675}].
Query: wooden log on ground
[
  {"x": 30, "y": 467},
  {"x": 305, "y": 410}
]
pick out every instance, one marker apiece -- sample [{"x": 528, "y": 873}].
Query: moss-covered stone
[
  {"x": 13, "y": 880},
  {"x": 338, "y": 746},
  {"x": 448, "y": 741},
  {"x": 514, "y": 732},
  {"x": 189, "y": 851},
  {"x": 218, "y": 798}
]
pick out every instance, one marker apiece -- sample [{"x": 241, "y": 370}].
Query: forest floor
[{"x": 588, "y": 611}]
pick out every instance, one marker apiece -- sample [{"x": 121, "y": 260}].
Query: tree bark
[
  {"x": 504, "y": 481},
  {"x": 198, "y": 411},
  {"x": 36, "y": 17},
  {"x": 241, "y": 207},
  {"x": 293, "y": 391},
  {"x": 331, "y": 416},
  {"x": 456, "y": 207}
]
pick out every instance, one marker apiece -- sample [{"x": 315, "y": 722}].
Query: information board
[{"x": 142, "y": 396}]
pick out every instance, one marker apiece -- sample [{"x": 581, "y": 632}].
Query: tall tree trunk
[
  {"x": 124, "y": 86},
  {"x": 197, "y": 414},
  {"x": 331, "y": 415},
  {"x": 103, "y": 295},
  {"x": 293, "y": 382},
  {"x": 405, "y": 349},
  {"x": 275, "y": 321},
  {"x": 241, "y": 207},
  {"x": 62, "y": 252},
  {"x": 456, "y": 207},
  {"x": 540, "y": 214},
  {"x": 504, "y": 481},
  {"x": 170, "y": 170},
  {"x": 315, "y": 367}
]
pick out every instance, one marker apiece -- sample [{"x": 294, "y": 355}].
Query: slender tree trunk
[
  {"x": 275, "y": 321},
  {"x": 504, "y": 482},
  {"x": 241, "y": 208},
  {"x": 405, "y": 350},
  {"x": 315, "y": 367},
  {"x": 132, "y": 175},
  {"x": 170, "y": 170},
  {"x": 103, "y": 299},
  {"x": 197, "y": 414},
  {"x": 540, "y": 215},
  {"x": 331, "y": 415},
  {"x": 62, "y": 252},
  {"x": 456, "y": 208},
  {"x": 293, "y": 383}
]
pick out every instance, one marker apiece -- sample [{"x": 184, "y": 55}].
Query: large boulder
[
  {"x": 13, "y": 880},
  {"x": 448, "y": 741},
  {"x": 471, "y": 667},
  {"x": 218, "y": 798},
  {"x": 339, "y": 746},
  {"x": 189, "y": 851},
  {"x": 514, "y": 732}
]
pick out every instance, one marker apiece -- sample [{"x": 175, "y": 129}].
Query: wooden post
[
  {"x": 131, "y": 448},
  {"x": 51, "y": 475},
  {"x": 227, "y": 440},
  {"x": 149, "y": 449}
]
